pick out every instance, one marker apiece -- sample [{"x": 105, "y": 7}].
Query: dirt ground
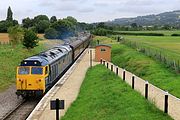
[{"x": 4, "y": 38}]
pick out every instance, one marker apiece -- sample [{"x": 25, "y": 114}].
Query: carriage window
[
  {"x": 46, "y": 70},
  {"x": 37, "y": 70},
  {"x": 23, "y": 71}
]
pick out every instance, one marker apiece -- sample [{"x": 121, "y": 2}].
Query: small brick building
[{"x": 104, "y": 52}]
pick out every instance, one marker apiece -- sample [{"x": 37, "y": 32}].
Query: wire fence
[{"x": 169, "y": 58}]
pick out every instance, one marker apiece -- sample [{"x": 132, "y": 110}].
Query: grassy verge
[
  {"x": 9, "y": 59},
  {"x": 147, "y": 68},
  {"x": 103, "y": 96}
]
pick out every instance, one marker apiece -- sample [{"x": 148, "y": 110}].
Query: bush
[
  {"x": 140, "y": 34},
  {"x": 175, "y": 35},
  {"x": 30, "y": 39},
  {"x": 16, "y": 35},
  {"x": 51, "y": 33},
  {"x": 100, "y": 32}
]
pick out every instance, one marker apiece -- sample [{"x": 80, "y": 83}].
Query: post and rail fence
[{"x": 162, "y": 99}]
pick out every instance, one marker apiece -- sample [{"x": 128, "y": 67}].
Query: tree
[
  {"x": 71, "y": 19},
  {"x": 42, "y": 25},
  {"x": 3, "y": 26},
  {"x": 64, "y": 28},
  {"x": 134, "y": 25},
  {"x": 101, "y": 25},
  {"x": 27, "y": 22},
  {"x": 30, "y": 39},
  {"x": 38, "y": 18},
  {"x": 167, "y": 27},
  {"x": 53, "y": 19},
  {"x": 100, "y": 32},
  {"x": 51, "y": 33},
  {"x": 15, "y": 22},
  {"x": 16, "y": 35},
  {"x": 9, "y": 14}
]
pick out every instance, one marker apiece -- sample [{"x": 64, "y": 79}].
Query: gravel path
[{"x": 8, "y": 100}]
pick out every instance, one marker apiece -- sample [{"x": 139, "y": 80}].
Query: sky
[{"x": 86, "y": 10}]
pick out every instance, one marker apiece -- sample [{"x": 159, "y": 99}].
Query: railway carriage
[{"x": 37, "y": 74}]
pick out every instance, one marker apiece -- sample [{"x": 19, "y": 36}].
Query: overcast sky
[{"x": 87, "y": 10}]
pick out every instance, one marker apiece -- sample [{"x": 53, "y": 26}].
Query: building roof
[{"x": 103, "y": 45}]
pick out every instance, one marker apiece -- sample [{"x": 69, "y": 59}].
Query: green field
[
  {"x": 10, "y": 58},
  {"x": 104, "y": 96},
  {"x": 167, "y": 48},
  {"x": 166, "y": 43},
  {"x": 165, "y": 32}
]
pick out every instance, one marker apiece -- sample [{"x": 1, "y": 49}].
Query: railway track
[{"x": 21, "y": 111}]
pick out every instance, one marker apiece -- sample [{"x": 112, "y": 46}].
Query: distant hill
[{"x": 166, "y": 18}]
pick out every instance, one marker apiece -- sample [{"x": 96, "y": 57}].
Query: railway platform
[{"x": 67, "y": 88}]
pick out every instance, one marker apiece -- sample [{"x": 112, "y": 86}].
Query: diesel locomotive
[{"x": 37, "y": 74}]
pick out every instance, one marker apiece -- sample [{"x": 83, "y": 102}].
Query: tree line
[
  {"x": 52, "y": 27},
  {"x": 104, "y": 28}
]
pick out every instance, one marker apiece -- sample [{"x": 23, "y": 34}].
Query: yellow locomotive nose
[{"x": 30, "y": 79}]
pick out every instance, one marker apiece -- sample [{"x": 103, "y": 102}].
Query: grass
[
  {"x": 102, "y": 40},
  {"x": 104, "y": 96},
  {"x": 165, "y": 32},
  {"x": 10, "y": 58},
  {"x": 166, "y": 43},
  {"x": 167, "y": 46},
  {"x": 146, "y": 68}
]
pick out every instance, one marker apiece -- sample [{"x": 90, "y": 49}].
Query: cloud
[
  {"x": 87, "y": 10},
  {"x": 100, "y": 4},
  {"x": 69, "y": 7},
  {"x": 46, "y": 4}
]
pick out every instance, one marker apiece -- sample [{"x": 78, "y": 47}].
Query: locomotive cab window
[
  {"x": 23, "y": 70},
  {"x": 37, "y": 70},
  {"x": 102, "y": 49}
]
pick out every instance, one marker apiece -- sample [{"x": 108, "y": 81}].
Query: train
[{"x": 37, "y": 74}]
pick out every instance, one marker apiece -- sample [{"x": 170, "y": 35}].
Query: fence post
[
  {"x": 117, "y": 70},
  {"x": 104, "y": 62},
  {"x": 107, "y": 65},
  {"x": 57, "y": 109},
  {"x": 166, "y": 103},
  {"x": 124, "y": 74},
  {"x": 111, "y": 67},
  {"x": 146, "y": 90},
  {"x": 90, "y": 58},
  {"x": 133, "y": 77}
]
